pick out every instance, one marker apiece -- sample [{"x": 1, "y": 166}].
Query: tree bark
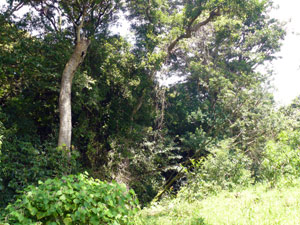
[{"x": 65, "y": 112}]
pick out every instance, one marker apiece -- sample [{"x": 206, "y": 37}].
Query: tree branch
[
  {"x": 190, "y": 28},
  {"x": 99, "y": 21},
  {"x": 8, "y": 13},
  {"x": 79, "y": 27}
]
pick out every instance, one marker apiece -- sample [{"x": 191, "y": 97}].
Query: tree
[
  {"x": 223, "y": 95},
  {"x": 80, "y": 21}
]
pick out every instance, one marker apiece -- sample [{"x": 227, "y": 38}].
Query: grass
[{"x": 257, "y": 205}]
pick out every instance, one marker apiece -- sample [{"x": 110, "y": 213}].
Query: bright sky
[{"x": 287, "y": 69}]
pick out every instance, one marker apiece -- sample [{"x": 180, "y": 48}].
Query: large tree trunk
[{"x": 65, "y": 113}]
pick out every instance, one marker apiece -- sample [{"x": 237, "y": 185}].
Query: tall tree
[
  {"x": 223, "y": 95},
  {"x": 77, "y": 20}
]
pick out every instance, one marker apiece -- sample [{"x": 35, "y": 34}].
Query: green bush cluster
[
  {"x": 225, "y": 168},
  {"x": 281, "y": 158},
  {"x": 73, "y": 199},
  {"x": 23, "y": 164}
]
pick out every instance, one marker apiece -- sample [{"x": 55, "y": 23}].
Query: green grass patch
[{"x": 258, "y": 205}]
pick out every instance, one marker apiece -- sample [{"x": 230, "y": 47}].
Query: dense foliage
[
  {"x": 73, "y": 200},
  {"x": 23, "y": 164},
  {"x": 281, "y": 158},
  {"x": 224, "y": 169}
]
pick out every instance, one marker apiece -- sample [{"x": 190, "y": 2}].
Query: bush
[
  {"x": 224, "y": 169},
  {"x": 73, "y": 200},
  {"x": 281, "y": 158},
  {"x": 23, "y": 164}
]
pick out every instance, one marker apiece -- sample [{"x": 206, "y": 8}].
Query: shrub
[
  {"x": 23, "y": 164},
  {"x": 224, "y": 168},
  {"x": 73, "y": 200},
  {"x": 281, "y": 158}
]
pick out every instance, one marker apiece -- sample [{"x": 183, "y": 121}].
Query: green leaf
[
  {"x": 41, "y": 215},
  {"x": 67, "y": 221},
  {"x": 63, "y": 197},
  {"x": 32, "y": 210}
]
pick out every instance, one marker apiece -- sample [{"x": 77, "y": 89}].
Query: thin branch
[
  {"x": 79, "y": 27},
  {"x": 190, "y": 29},
  {"x": 44, "y": 13},
  {"x": 99, "y": 21},
  {"x": 14, "y": 9},
  {"x": 52, "y": 21}
]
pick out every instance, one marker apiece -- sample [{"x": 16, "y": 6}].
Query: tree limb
[
  {"x": 79, "y": 27},
  {"x": 193, "y": 28},
  {"x": 8, "y": 13}
]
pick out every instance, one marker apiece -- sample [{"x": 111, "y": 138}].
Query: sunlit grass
[{"x": 258, "y": 205}]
